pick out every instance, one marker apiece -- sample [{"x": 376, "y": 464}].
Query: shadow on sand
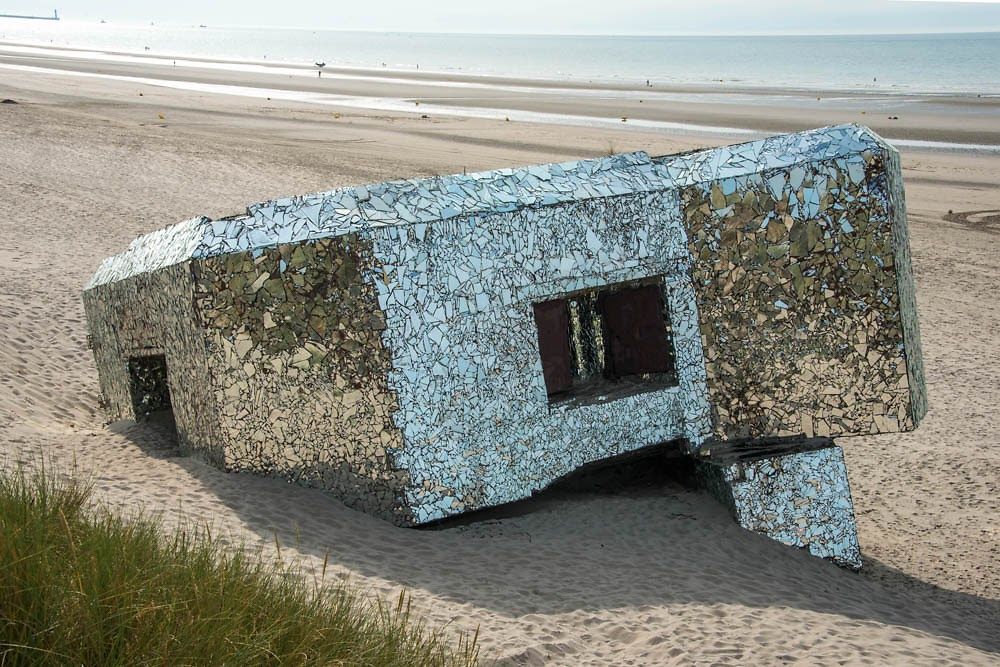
[{"x": 624, "y": 536}]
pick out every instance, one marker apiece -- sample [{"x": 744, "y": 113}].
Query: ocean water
[{"x": 933, "y": 63}]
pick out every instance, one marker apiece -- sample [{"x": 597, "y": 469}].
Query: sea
[{"x": 967, "y": 63}]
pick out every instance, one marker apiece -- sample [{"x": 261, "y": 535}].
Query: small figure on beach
[{"x": 320, "y": 71}]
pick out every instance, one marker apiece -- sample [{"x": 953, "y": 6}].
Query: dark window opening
[
  {"x": 148, "y": 385},
  {"x": 606, "y": 343}
]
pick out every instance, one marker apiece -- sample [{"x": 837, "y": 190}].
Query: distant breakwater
[{"x": 54, "y": 17}]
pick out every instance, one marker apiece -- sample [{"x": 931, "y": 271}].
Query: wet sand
[{"x": 721, "y": 110}]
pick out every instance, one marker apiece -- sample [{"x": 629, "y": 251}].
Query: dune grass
[{"x": 80, "y": 585}]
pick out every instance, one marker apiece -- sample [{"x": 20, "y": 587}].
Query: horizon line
[{"x": 792, "y": 33}]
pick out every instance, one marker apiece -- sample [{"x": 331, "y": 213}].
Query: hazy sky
[{"x": 550, "y": 16}]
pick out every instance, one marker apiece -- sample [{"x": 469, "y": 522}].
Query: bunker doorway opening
[{"x": 151, "y": 394}]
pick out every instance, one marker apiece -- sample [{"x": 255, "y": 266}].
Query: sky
[{"x": 549, "y": 16}]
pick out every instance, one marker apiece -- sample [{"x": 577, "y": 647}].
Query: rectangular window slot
[{"x": 602, "y": 344}]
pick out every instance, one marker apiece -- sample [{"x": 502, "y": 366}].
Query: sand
[{"x": 650, "y": 574}]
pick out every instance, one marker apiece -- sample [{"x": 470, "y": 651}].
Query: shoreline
[
  {"x": 928, "y": 122},
  {"x": 485, "y": 112},
  {"x": 459, "y": 77}
]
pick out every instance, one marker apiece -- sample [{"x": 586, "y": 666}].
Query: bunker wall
[
  {"x": 804, "y": 292},
  {"x": 153, "y": 314},
  {"x": 478, "y": 425},
  {"x": 299, "y": 369}
]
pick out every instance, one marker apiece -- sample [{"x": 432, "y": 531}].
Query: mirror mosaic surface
[{"x": 380, "y": 341}]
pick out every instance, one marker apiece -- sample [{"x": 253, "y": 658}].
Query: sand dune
[{"x": 649, "y": 574}]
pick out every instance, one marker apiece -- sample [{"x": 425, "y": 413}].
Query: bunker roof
[{"x": 420, "y": 201}]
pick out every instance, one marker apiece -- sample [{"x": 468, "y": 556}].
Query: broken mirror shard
[{"x": 422, "y": 348}]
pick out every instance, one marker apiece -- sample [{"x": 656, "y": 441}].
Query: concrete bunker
[{"x": 425, "y": 348}]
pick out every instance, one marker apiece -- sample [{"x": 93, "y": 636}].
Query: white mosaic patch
[
  {"x": 800, "y": 499},
  {"x": 465, "y": 361}
]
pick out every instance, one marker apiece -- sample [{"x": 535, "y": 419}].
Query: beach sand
[{"x": 651, "y": 574}]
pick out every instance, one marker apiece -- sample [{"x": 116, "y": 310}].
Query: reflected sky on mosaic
[
  {"x": 558, "y": 16},
  {"x": 401, "y": 314}
]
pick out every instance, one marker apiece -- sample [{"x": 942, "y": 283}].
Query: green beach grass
[{"x": 81, "y": 585}]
